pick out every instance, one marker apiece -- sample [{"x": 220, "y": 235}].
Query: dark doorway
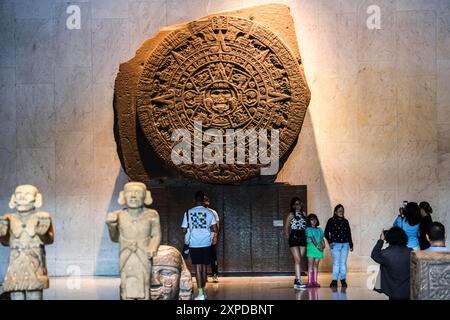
[{"x": 249, "y": 241}]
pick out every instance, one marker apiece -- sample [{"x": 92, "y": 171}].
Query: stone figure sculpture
[
  {"x": 26, "y": 232},
  {"x": 138, "y": 231},
  {"x": 171, "y": 279}
]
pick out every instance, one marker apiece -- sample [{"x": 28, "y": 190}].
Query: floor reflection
[
  {"x": 228, "y": 288},
  {"x": 280, "y": 288},
  {"x": 339, "y": 294}
]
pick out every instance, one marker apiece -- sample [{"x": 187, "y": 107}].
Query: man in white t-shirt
[
  {"x": 214, "y": 265},
  {"x": 202, "y": 224}
]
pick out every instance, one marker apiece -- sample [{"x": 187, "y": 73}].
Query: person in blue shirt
[
  {"x": 436, "y": 237},
  {"x": 408, "y": 220}
]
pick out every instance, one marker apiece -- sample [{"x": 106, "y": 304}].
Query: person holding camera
[
  {"x": 408, "y": 220},
  {"x": 394, "y": 264},
  {"x": 294, "y": 228}
]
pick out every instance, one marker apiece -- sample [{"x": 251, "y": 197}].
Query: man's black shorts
[{"x": 200, "y": 255}]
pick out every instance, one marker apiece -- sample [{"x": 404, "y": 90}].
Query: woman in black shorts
[{"x": 294, "y": 229}]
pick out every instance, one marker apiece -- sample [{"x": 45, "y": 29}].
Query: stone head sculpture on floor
[
  {"x": 138, "y": 231},
  {"x": 171, "y": 279},
  {"x": 26, "y": 232}
]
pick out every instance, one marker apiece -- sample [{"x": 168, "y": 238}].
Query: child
[{"x": 314, "y": 249}]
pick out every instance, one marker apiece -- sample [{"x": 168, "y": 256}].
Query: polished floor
[{"x": 228, "y": 288}]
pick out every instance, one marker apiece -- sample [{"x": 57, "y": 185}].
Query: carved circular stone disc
[{"x": 229, "y": 73}]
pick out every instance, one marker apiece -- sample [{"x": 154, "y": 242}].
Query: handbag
[
  {"x": 297, "y": 235},
  {"x": 187, "y": 238},
  {"x": 185, "y": 252}
]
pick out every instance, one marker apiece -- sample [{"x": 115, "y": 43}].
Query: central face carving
[
  {"x": 220, "y": 97},
  {"x": 165, "y": 283},
  {"x": 220, "y": 100}
]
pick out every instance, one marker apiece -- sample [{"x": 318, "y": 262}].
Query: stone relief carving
[
  {"x": 228, "y": 71},
  {"x": 430, "y": 275}
]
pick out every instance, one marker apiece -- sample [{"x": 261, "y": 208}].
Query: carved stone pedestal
[{"x": 430, "y": 275}]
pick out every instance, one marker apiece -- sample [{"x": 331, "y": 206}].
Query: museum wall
[{"x": 377, "y": 131}]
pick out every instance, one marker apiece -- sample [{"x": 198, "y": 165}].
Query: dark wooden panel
[
  {"x": 179, "y": 200},
  {"x": 265, "y": 237},
  {"x": 248, "y": 242},
  {"x": 236, "y": 227},
  {"x": 160, "y": 204}
]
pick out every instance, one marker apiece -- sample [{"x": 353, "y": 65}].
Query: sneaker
[
  {"x": 215, "y": 278},
  {"x": 298, "y": 284},
  {"x": 343, "y": 283},
  {"x": 316, "y": 285},
  {"x": 333, "y": 284},
  {"x": 200, "y": 297}
]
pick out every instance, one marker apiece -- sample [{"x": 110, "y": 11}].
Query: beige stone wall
[
  {"x": 377, "y": 130},
  {"x": 378, "y": 125}
]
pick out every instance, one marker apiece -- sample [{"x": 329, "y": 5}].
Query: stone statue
[
  {"x": 26, "y": 232},
  {"x": 171, "y": 279},
  {"x": 138, "y": 231}
]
